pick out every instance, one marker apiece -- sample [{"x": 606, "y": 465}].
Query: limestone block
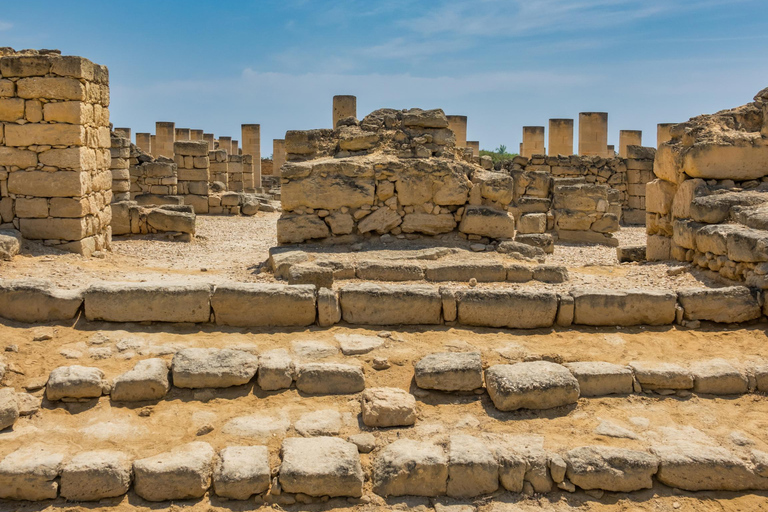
[
  {"x": 519, "y": 273},
  {"x": 95, "y": 475},
  {"x": 382, "y": 221},
  {"x": 340, "y": 223},
  {"x": 329, "y": 378},
  {"x": 213, "y": 368},
  {"x": 630, "y": 253},
  {"x": 275, "y": 370},
  {"x": 53, "y": 88},
  {"x": 11, "y": 109},
  {"x": 25, "y": 65},
  {"x": 512, "y": 465},
  {"x": 652, "y": 375},
  {"x": 659, "y": 195},
  {"x": 481, "y": 271},
  {"x": 608, "y": 223},
  {"x": 22, "y": 135},
  {"x": 714, "y": 238},
  {"x": 450, "y": 371},
  {"x": 321, "y": 466},
  {"x": 495, "y": 186},
  {"x": 166, "y": 220},
  {"x": 357, "y": 344},
  {"x": 611, "y": 469},
  {"x": 587, "y": 237},
  {"x": 532, "y": 223},
  {"x": 9, "y": 408},
  {"x": 372, "y": 304},
  {"x": 487, "y": 221},
  {"x": 696, "y": 467},
  {"x": 53, "y": 229},
  {"x": 35, "y": 300},
  {"x": 329, "y": 185},
  {"x": 352, "y": 138},
  {"x": 416, "y": 117},
  {"x": 550, "y": 273},
  {"x": 658, "y": 248},
  {"x": 48, "y": 184},
  {"x": 31, "y": 473},
  {"x": 293, "y": 229},
  {"x": 718, "y": 377},
  {"x": 388, "y": 407},
  {"x": 389, "y": 271},
  {"x": 18, "y": 157},
  {"x": 241, "y": 471},
  {"x": 472, "y": 468},
  {"x": 74, "y": 382},
  {"x": 737, "y": 163},
  {"x": 328, "y": 307},
  {"x": 524, "y": 248},
  {"x": 410, "y": 468},
  {"x": 516, "y": 309},
  {"x": 623, "y": 307},
  {"x": 745, "y": 244},
  {"x": 181, "y": 473},
  {"x": 564, "y": 311},
  {"x": 533, "y": 385},
  {"x": 264, "y": 305},
  {"x": 597, "y": 378},
  {"x": 142, "y": 302},
  {"x": 732, "y": 304},
  {"x": 428, "y": 223},
  {"x": 31, "y": 208},
  {"x": 312, "y": 274},
  {"x": 148, "y": 380}
]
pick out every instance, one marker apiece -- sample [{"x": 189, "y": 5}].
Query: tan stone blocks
[
  {"x": 164, "y": 138},
  {"x": 25, "y": 65},
  {"x": 45, "y": 134},
  {"x": 78, "y": 67},
  {"x": 533, "y": 141},
  {"x": 54, "y": 229},
  {"x": 458, "y": 125},
  {"x": 560, "y": 137},
  {"x": 78, "y": 158},
  {"x": 33, "y": 111},
  {"x": 49, "y": 184},
  {"x": 52, "y": 88},
  {"x": 190, "y": 148},
  {"x": 31, "y": 208},
  {"x": 663, "y": 133},
  {"x": 278, "y": 155},
  {"x": 69, "y": 207},
  {"x": 143, "y": 141},
  {"x": 593, "y": 133},
  {"x": 11, "y": 109},
  {"x": 7, "y": 89},
  {"x": 21, "y": 158},
  {"x": 193, "y": 174},
  {"x": 72, "y": 112},
  {"x": 344, "y": 106},
  {"x": 629, "y": 138}
]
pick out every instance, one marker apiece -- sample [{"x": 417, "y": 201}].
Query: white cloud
[{"x": 5, "y": 25}]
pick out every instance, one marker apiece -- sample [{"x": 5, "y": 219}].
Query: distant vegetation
[{"x": 499, "y": 154}]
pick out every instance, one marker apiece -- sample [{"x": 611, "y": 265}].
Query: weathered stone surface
[
  {"x": 382, "y": 221},
  {"x": 241, "y": 471},
  {"x": 512, "y": 465},
  {"x": 182, "y": 473},
  {"x": 661, "y": 375},
  {"x": 587, "y": 237},
  {"x": 388, "y": 407},
  {"x": 487, "y": 221},
  {"x": 166, "y": 220},
  {"x": 311, "y": 273},
  {"x": 611, "y": 469},
  {"x": 140, "y": 302},
  {"x": 623, "y": 307},
  {"x": 696, "y": 467},
  {"x": 658, "y": 196},
  {"x": 320, "y": 422},
  {"x": 410, "y": 468},
  {"x": 550, "y": 273},
  {"x": 373, "y": 304},
  {"x": 523, "y": 248},
  {"x": 355, "y": 344},
  {"x": 516, "y": 309},
  {"x": 264, "y": 305},
  {"x": 10, "y": 244},
  {"x": 428, "y": 223},
  {"x": 9, "y": 408},
  {"x": 425, "y": 118},
  {"x": 213, "y": 368},
  {"x": 534, "y": 385},
  {"x": 148, "y": 380},
  {"x": 389, "y": 271},
  {"x": 74, "y": 382},
  {"x": 329, "y": 378},
  {"x": 481, "y": 271},
  {"x": 597, "y": 378},
  {"x": 718, "y": 377},
  {"x": 721, "y": 162},
  {"x": 328, "y": 184},
  {"x": 450, "y": 371},
  {"x": 726, "y": 305},
  {"x": 321, "y": 466},
  {"x": 275, "y": 370},
  {"x": 630, "y": 253},
  {"x": 293, "y": 229},
  {"x": 95, "y": 475},
  {"x": 30, "y": 473},
  {"x": 472, "y": 468},
  {"x": 35, "y": 300}
]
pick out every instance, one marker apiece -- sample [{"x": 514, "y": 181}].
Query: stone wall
[
  {"x": 192, "y": 158},
  {"x": 219, "y": 162},
  {"x": 707, "y": 204},
  {"x": 235, "y": 173},
  {"x": 55, "y": 179},
  {"x": 121, "y": 162},
  {"x": 176, "y": 221}
]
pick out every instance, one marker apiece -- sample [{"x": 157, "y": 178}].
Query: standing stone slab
[
  {"x": 321, "y": 466},
  {"x": 148, "y": 302},
  {"x": 472, "y": 468},
  {"x": 534, "y": 385},
  {"x": 241, "y": 472},
  {"x": 611, "y": 469},
  {"x": 623, "y": 307},
  {"x": 9, "y": 408},
  {"x": 652, "y": 375},
  {"x": 213, "y": 368},
  {"x": 74, "y": 382},
  {"x": 597, "y": 378},
  {"x": 388, "y": 407},
  {"x": 329, "y": 378},
  {"x": 450, "y": 371},
  {"x": 36, "y": 300},
  {"x": 718, "y": 377},
  {"x": 95, "y": 475},
  {"x": 148, "y": 380},
  {"x": 733, "y": 304},
  {"x": 264, "y": 305},
  {"x": 410, "y": 468},
  {"x": 30, "y": 473},
  {"x": 375, "y": 304},
  {"x": 180, "y": 474},
  {"x": 514, "y": 309}
]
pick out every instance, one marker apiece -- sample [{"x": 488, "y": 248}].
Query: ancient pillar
[
  {"x": 193, "y": 173},
  {"x": 533, "y": 141},
  {"x": 165, "y": 135},
  {"x": 123, "y": 132},
  {"x": 593, "y": 133},
  {"x": 219, "y": 167},
  {"x": 182, "y": 133},
  {"x": 235, "y": 147},
  {"x": 251, "y": 137},
  {"x": 629, "y": 138},
  {"x": 235, "y": 173},
  {"x": 475, "y": 145},
  {"x": 144, "y": 142},
  {"x": 225, "y": 143},
  {"x": 209, "y": 138},
  {"x": 121, "y": 162},
  {"x": 152, "y": 144},
  {"x": 560, "y": 137},
  {"x": 278, "y": 155},
  {"x": 458, "y": 125},
  {"x": 610, "y": 151},
  {"x": 663, "y": 133},
  {"x": 195, "y": 134},
  {"x": 344, "y": 106}
]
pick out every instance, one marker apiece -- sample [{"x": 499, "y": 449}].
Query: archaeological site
[{"x": 379, "y": 315}]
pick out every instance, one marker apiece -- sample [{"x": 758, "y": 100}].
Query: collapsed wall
[
  {"x": 707, "y": 204},
  {"x": 55, "y": 178}
]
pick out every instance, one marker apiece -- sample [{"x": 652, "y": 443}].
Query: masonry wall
[
  {"x": 192, "y": 158},
  {"x": 55, "y": 179}
]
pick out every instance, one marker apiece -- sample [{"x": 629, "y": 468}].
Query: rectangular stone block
[
  {"x": 25, "y": 65},
  {"x": 623, "y": 307},
  {"x": 54, "y": 229},
  {"x": 7, "y": 89},
  {"x": 36, "y": 301},
  {"x": 733, "y": 304},
  {"x": 52, "y": 88},
  {"x": 463, "y": 272},
  {"x": 21, "y": 158},
  {"x": 190, "y": 148},
  {"x": 11, "y": 109},
  {"x": 192, "y": 175},
  {"x": 31, "y": 208},
  {"x": 372, "y": 304},
  {"x": 45, "y": 135},
  {"x": 72, "y": 112},
  {"x": 514, "y": 309},
  {"x": 48, "y": 184},
  {"x": 264, "y": 305},
  {"x": 155, "y": 302},
  {"x": 76, "y": 67}
]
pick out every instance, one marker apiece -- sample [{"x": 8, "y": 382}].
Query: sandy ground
[{"x": 145, "y": 429}]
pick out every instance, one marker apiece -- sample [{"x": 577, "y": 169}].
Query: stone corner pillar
[
  {"x": 533, "y": 141},
  {"x": 593, "y": 133},
  {"x": 560, "y": 137},
  {"x": 165, "y": 136}
]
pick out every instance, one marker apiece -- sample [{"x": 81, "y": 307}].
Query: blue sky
[{"x": 504, "y": 63}]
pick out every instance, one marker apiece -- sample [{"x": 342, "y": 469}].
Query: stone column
[
  {"x": 121, "y": 162},
  {"x": 251, "y": 137},
  {"x": 195, "y": 134},
  {"x": 533, "y": 141},
  {"x": 193, "y": 173},
  {"x": 610, "y": 151},
  {"x": 235, "y": 173},
  {"x": 629, "y": 138},
  {"x": 209, "y": 138},
  {"x": 182, "y": 133},
  {"x": 663, "y": 133},
  {"x": 560, "y": 137},
  {"x": 144, "y": 142},
  {"x": 475, "y": 145},
  {"x": 165, "y": 136},
  {"x": 593, "y": 133},
  {"x": 152, "y": 144},
  {"x": 278, "y": 155},
  {"x": 123, "y": 132},
  {"x": 458, "y": 125},
  {"x": 219, "y": 167},
  {"x": 225, "y": 143},
  {"x": 344, "y": 106},
  {"x": 235, "y": 147}
]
